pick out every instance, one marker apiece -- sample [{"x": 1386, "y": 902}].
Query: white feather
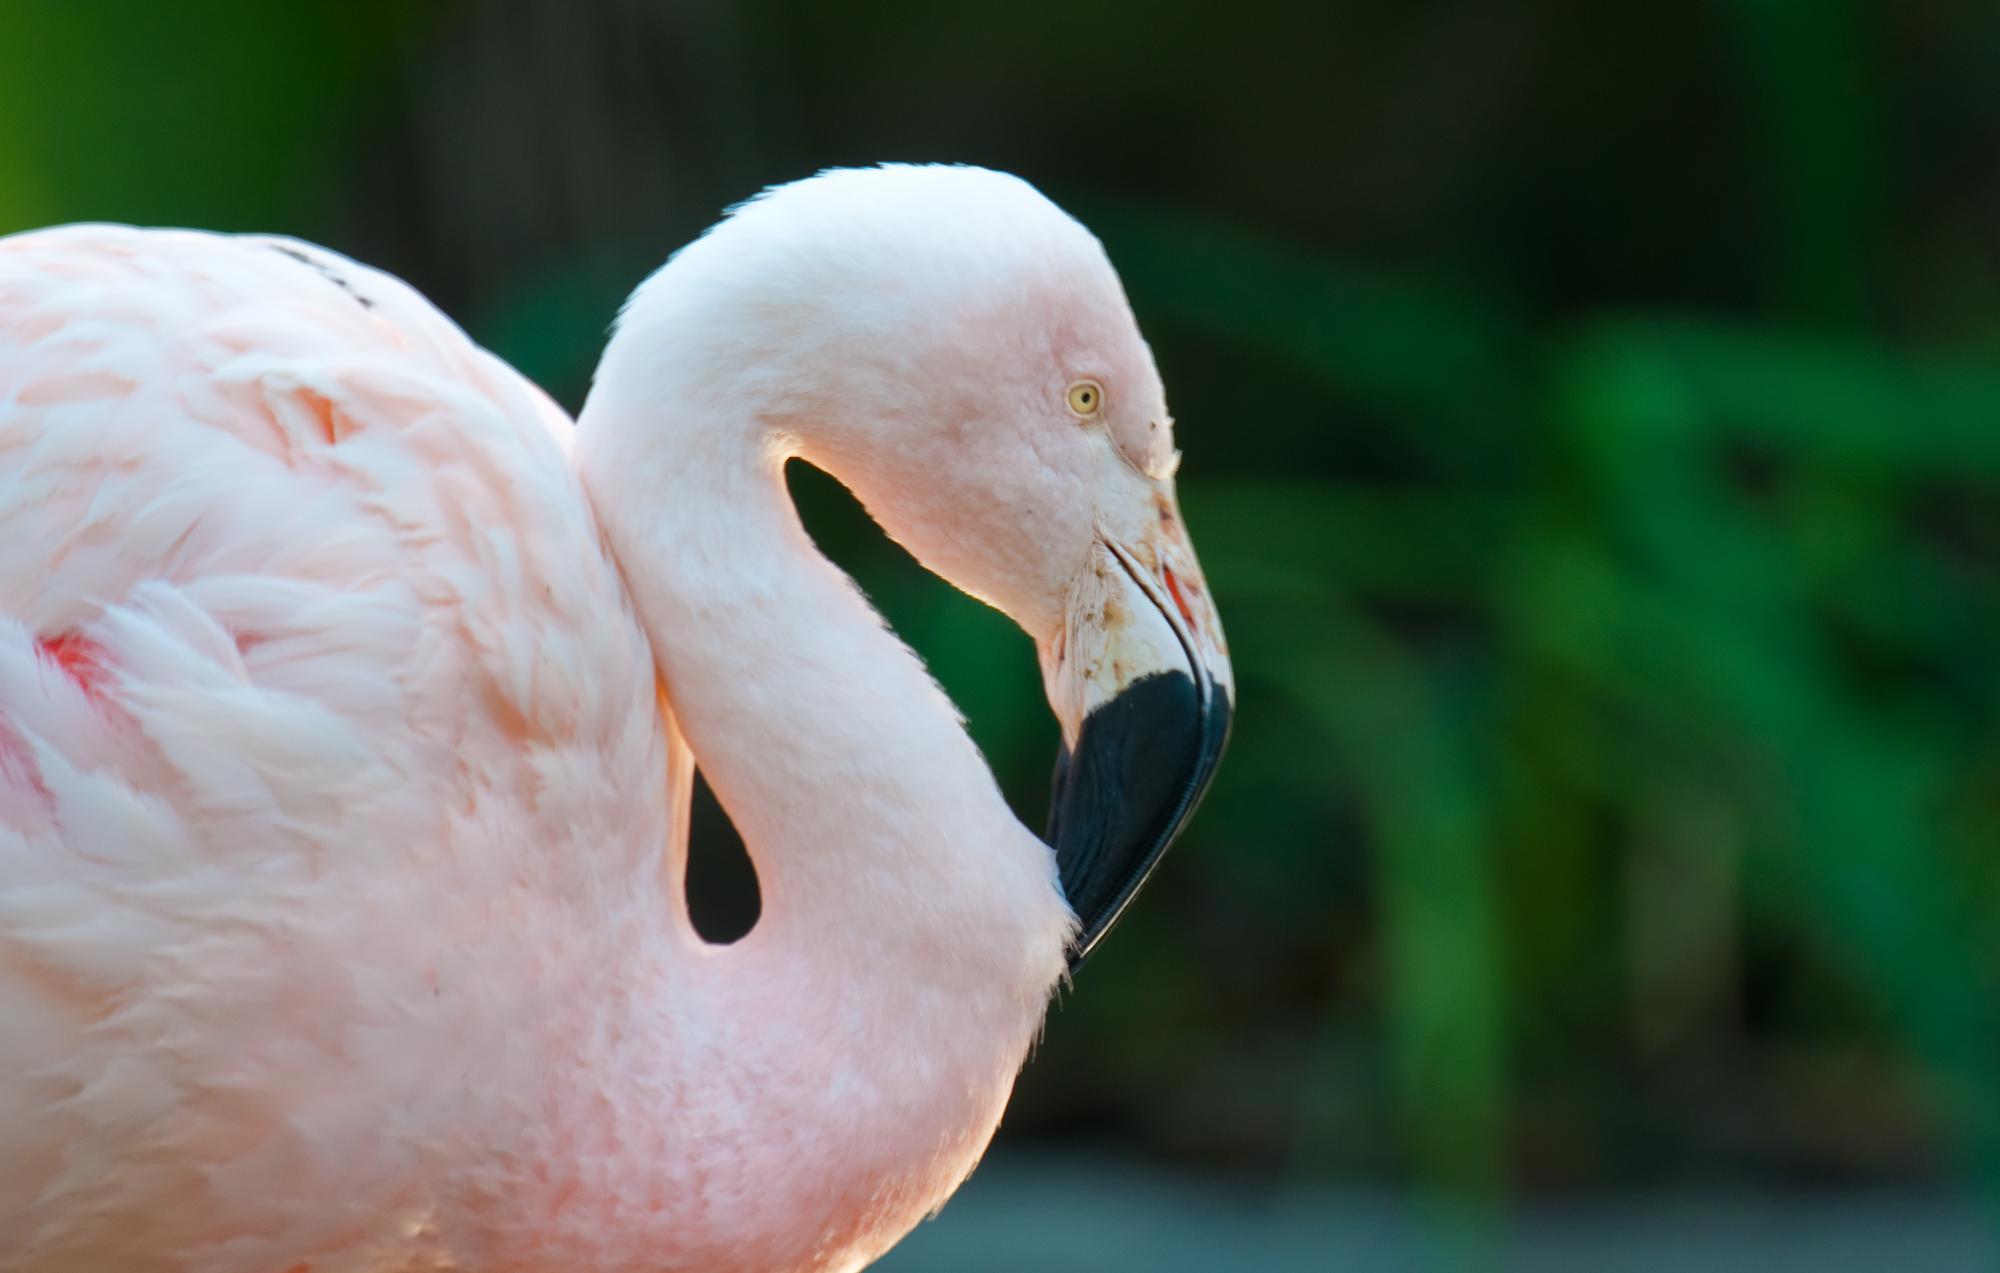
[{"x": 343, "y": 785}]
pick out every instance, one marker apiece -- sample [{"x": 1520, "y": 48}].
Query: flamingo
[{"x": 350, "y": 697}]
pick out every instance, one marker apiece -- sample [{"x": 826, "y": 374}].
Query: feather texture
[
  {"x": 362, "y": 671},
  {"x": 349, "y": 704}
]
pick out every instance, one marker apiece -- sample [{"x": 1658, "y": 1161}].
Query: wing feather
[{"x": 361, "y": 678}]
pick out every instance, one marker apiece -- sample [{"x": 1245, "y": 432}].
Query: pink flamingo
[{"x": 350, "y": 698}]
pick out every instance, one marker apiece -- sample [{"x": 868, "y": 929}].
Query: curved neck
[
  {"x": 830, "y": 1078},
  {"x": 881, "y": 841}
]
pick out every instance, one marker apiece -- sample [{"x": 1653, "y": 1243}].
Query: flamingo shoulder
[{"x": 312, "y": 666}]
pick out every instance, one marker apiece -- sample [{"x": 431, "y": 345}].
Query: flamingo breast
[{"x": 327, "y": 742}]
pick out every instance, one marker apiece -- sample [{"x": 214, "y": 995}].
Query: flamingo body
[
  {"x": 349, "y": 702},
  {"x": 365, "y": 650}
]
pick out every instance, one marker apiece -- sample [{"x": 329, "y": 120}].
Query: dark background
[{"x": 1592, "y": 422}]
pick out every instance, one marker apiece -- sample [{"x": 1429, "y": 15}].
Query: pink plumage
[{"x": 344, "y": 685}]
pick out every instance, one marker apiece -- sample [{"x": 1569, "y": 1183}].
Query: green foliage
[{"x": 1792, "y": 652}]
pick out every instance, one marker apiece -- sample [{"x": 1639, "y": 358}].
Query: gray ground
[{"x": 1061, "y": 1215}]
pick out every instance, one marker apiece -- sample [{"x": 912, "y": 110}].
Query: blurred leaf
[
  {"x": 186, "y": 114},
  {"x": 1403, "y": 346},
  {"x": 1811, "y": 66},
  {"x": 1700, "y": 633}
]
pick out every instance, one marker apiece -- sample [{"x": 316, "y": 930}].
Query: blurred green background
[{"x": 1592, "y": 422}]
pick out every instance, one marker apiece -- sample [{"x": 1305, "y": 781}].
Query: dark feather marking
[{"x": 325, "y": 272}]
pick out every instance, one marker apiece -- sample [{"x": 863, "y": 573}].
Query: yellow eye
[{"x": 1086, "y": 397}]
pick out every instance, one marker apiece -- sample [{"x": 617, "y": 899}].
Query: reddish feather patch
[
  {"x": 1180, "y": 601},
  {"x": 80, "y": 659},
  {"x": 323, "y": 411}
]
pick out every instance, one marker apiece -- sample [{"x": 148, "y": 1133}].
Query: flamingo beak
[{"x": 1139, "y": 677}]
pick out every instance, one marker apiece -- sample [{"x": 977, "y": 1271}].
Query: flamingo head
[{"x": 960, "y": 353}]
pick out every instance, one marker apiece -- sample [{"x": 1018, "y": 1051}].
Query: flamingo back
[{"x": 329, "y": 748}]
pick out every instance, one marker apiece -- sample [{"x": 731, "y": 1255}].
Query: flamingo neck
[
  {"x": 883, "y": 846},
  {"x": 836, "y": 1072}
]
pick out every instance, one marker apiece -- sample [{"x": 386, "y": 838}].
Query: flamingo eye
[{"x": 1086, "y": 397}]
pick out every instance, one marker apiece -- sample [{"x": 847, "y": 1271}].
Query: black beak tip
[{"x": 1140, "y": 766}]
